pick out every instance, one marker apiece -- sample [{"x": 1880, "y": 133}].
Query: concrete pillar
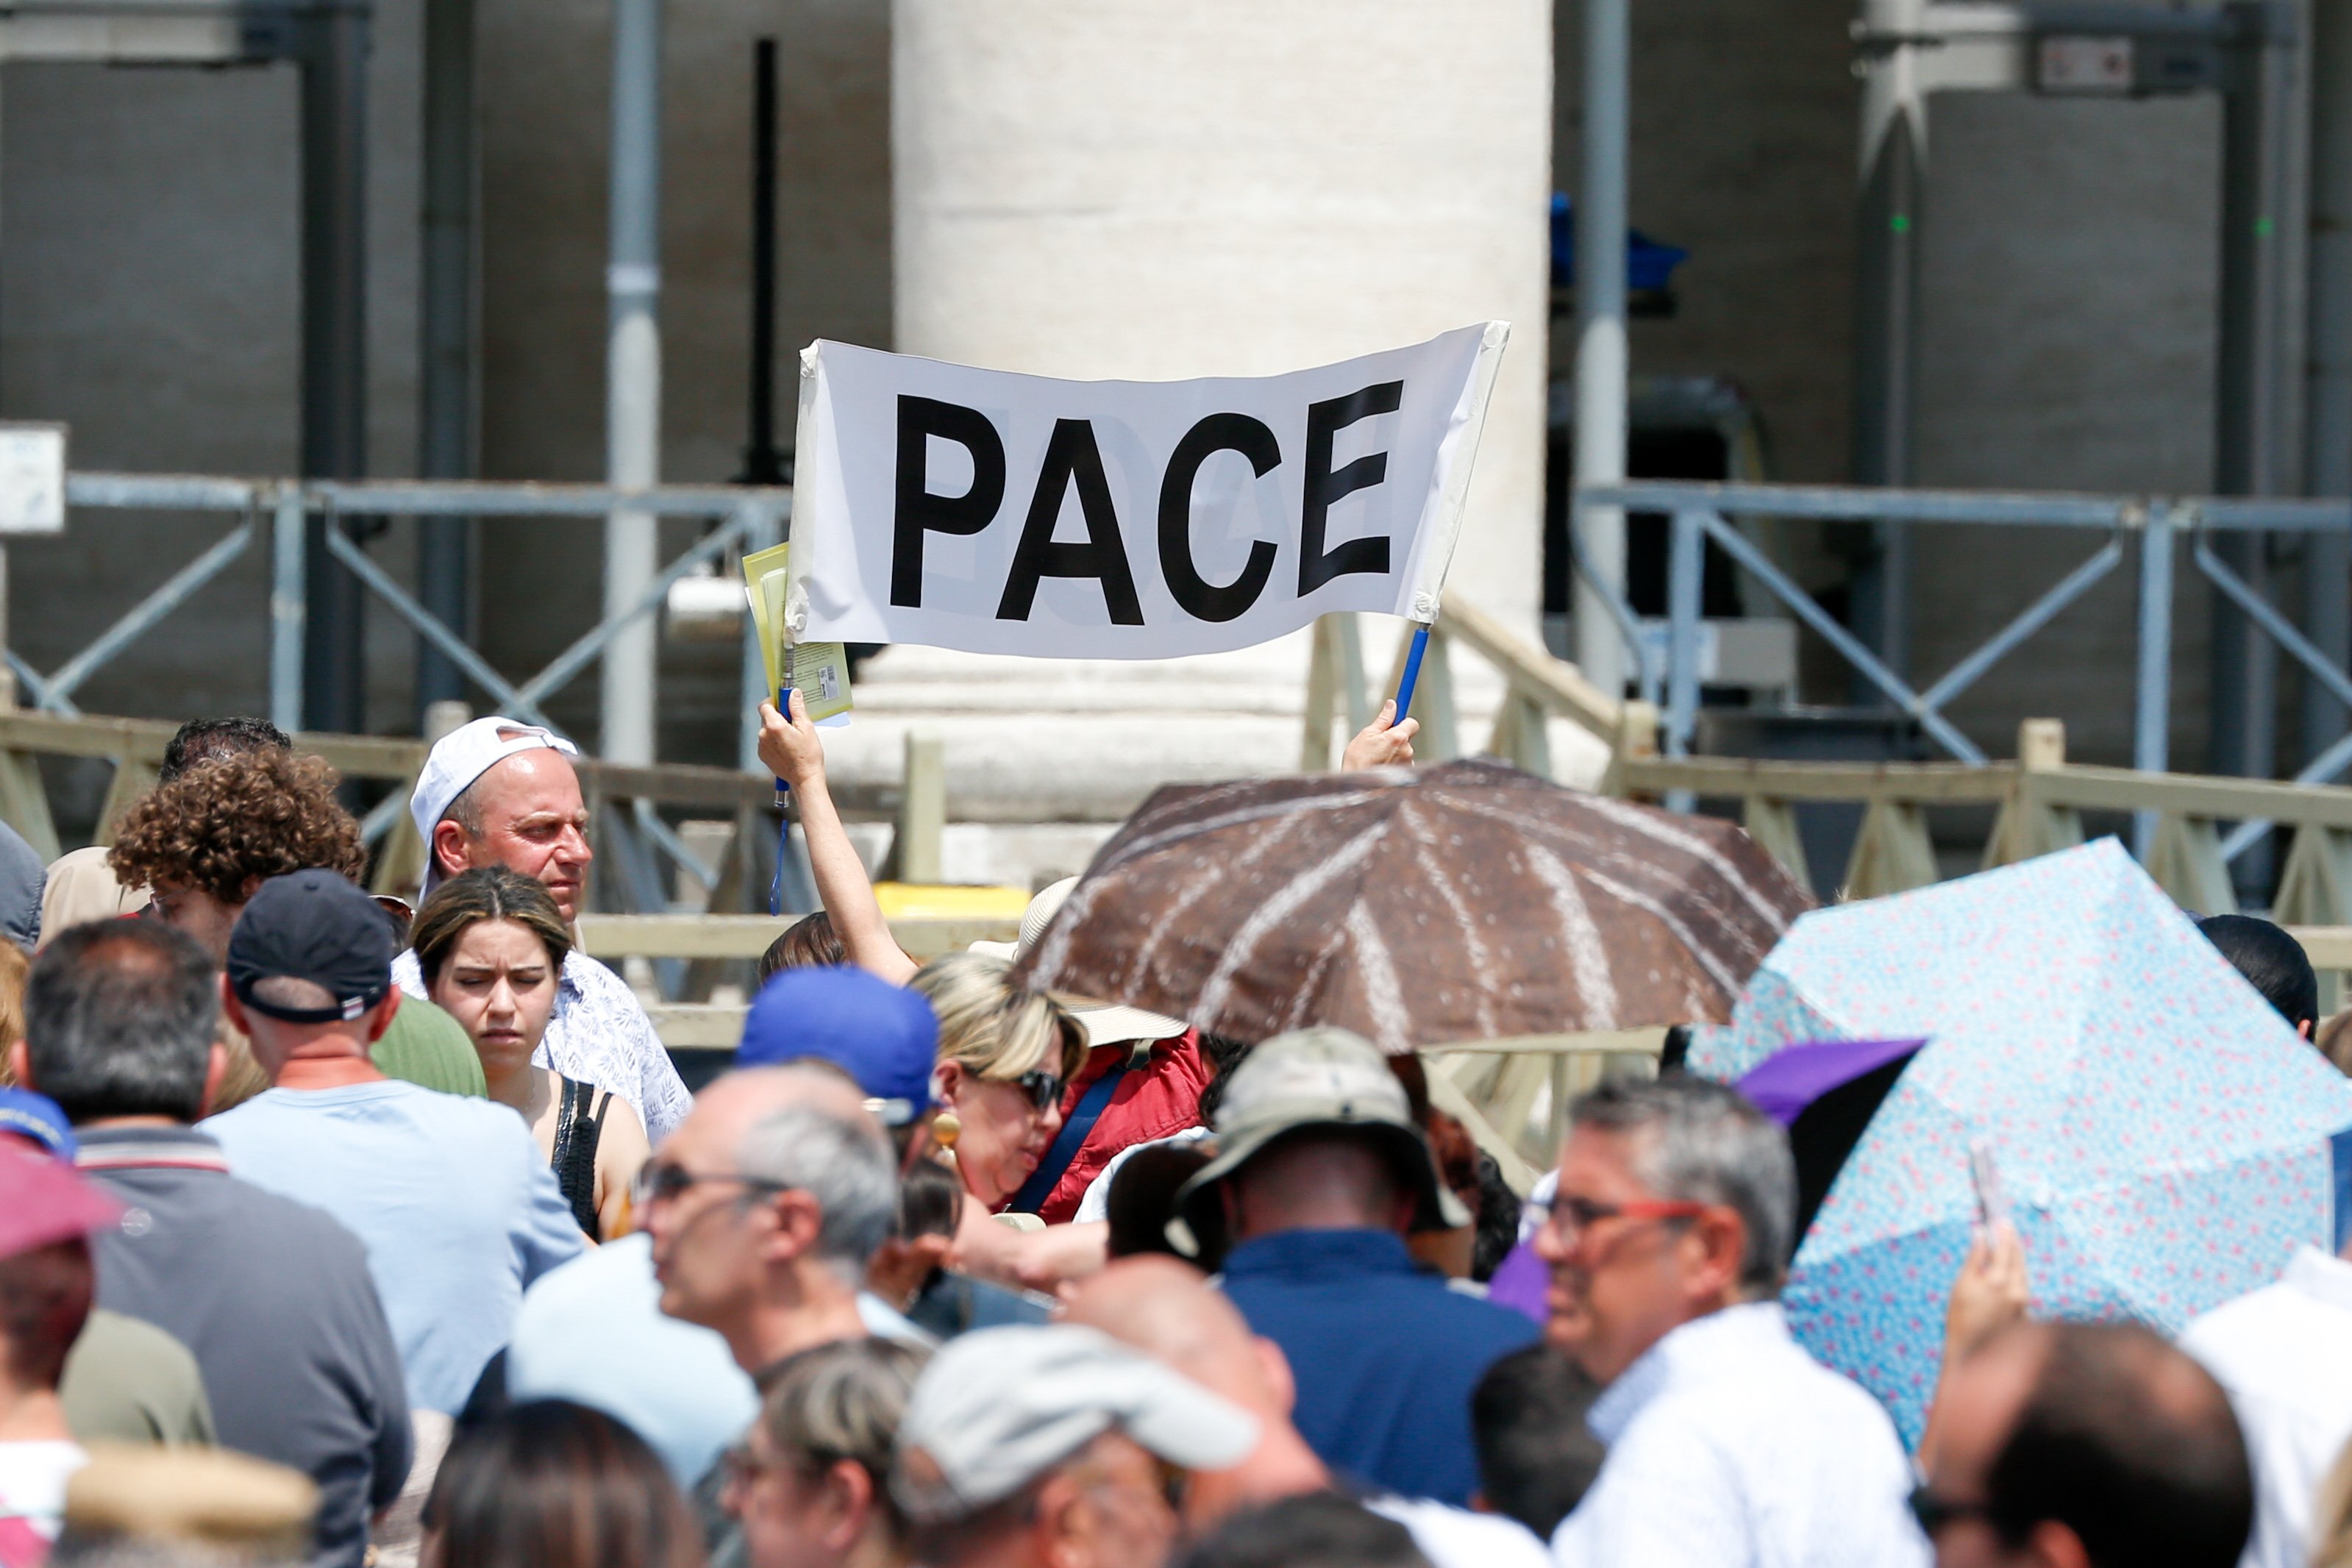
[{"x": 1230, "y": 187}]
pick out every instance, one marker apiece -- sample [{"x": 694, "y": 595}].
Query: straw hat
[
  {"x": 1106, "y": 1023},
  {"x": 209, "y": 1497}
]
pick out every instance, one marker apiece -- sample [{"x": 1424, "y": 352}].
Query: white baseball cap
[
  {"x": 997, "y": 1408},
  {"x": 460, "y": 757}
]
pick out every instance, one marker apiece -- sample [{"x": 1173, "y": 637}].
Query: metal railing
[
  {"x": 746, "y": 519},
  {"x": 1702, "y": 513}
]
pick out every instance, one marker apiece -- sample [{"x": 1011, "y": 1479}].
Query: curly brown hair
[{"x": 231, "y": 822}]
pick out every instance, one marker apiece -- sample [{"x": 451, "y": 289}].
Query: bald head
[
  {"x": 524, "y": 813},
  {"x": 2104, "y": 1432},
  {"x": 1166, "y": 1309}
]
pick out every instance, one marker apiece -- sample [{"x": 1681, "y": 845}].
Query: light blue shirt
[
  {"x": 594, "y": 1333},
  {"x": 1730, "y": 1447},
  {"x": 451, "y": 1197}
]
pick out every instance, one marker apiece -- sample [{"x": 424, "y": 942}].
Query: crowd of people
[{"x": 339, "y": 1231}]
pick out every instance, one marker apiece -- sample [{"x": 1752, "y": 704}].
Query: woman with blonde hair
[
  {"x": 1004, "y": 1054},
  {"x": 490, "y": 945}
]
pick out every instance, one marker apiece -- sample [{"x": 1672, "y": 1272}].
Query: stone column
[{"x": 1233, "y": 187}]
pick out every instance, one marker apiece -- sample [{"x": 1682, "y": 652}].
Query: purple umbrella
[{"x": 1825, "y": 1092}]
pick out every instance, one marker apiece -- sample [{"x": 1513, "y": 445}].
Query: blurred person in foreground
[
  {"x": 752, "y": 1240},
  {"x": 125, "y": 1379},
  {"x": 206, "y": 841},
  {"x": 810, "y": 1483},
  {"x": 1320, "y": 1175},
  {"x": 1668, "y": 1242},
  {"x": 2084, "y": 1445},
  {"x": 1055, "y": 1448},
  {"x": 551, "y": 1485},
  {"x": 500, "y": 792},
  {"x": 1313, "y": 1529},
  {"x": 489, "y": 944},
  {"x": 1537, "y": 1459},
  {"x": 2284, "y": 1354},
  {"x": 456, "y": 1207},
  {"x": 2273, "y": 962},
  {"x": 1168, "y": 1309},
  {"x": 272, "y": 1296},
  {"x": 46, "y": 1282},
  {"x": 765, "y": 1206},
  {"x": 82, "y": 884},
  {"x": 143, "y": 1507}
]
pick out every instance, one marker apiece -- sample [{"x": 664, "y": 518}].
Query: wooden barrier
[{"x": 135, "y": 748}]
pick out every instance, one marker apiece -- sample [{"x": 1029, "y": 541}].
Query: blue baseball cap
[
  {"x": 38, "y": 1118},
  {"x": 884, "y": 1037}
]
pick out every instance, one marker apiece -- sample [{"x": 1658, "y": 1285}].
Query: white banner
[{"x": 998, "y": 513}]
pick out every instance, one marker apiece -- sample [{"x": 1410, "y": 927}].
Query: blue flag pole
[
  {"x": 784, "y": 816},
  {"x": 1411, "y": 673}
]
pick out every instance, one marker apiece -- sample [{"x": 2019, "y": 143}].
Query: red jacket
[{"x": 1161, "y": 1097}]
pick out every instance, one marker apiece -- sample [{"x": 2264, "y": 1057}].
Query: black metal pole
[
  {"x": 763, "y": 464},
  {"x": 334, "y": 343},
  {"x": 446, "y": 375}
]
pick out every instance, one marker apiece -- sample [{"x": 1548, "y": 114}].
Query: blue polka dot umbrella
[{"x": 2166, "y": 1141}]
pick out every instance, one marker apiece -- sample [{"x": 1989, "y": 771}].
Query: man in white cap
[
  {"x": 500, "y": 792},
  {"x": 1027, "y": 1447}
]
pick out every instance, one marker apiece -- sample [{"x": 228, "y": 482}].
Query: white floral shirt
[{"x": 600, "y": 1035}]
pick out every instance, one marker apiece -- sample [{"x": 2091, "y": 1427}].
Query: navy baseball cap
[
  {"x": 884, "y": 1037},
  {"x": 38, "y": 1118},
  {"x": 313, "y": 925}
]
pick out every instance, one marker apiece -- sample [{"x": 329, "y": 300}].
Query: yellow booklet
[{"x": 818, "y": 670}]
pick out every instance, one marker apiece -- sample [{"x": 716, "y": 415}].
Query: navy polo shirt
[{"x": 1385, "y": 1354}]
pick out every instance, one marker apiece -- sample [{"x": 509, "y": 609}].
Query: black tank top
[{"x": 578, "y": 1127}]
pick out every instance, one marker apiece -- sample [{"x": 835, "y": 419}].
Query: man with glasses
[
  {"x": 1668, "y": 1242},
  {"x": 1320, "y": 1173},
  {"x": 764, "y": 1207},
  {"x": 1038, "y": 1446},
  {"x": 2084, "y": 1445}
]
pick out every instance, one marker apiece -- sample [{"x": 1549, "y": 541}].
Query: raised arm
[{"x": 790, "y": 749}]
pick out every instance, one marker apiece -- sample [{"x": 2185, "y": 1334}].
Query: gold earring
[{"x": 945, "y": 1129}]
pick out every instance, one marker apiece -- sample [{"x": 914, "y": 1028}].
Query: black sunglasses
[
  {"x": 1044, "y": 1089},
  {"x": 1933, "y": 1512},
  {"x": 657, "y": 1182}
]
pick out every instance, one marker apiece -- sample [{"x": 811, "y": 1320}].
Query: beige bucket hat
[{"x": 1323, "y": 1077}]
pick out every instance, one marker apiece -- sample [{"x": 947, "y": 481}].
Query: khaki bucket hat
[{"x": 1323, "y": 1077}]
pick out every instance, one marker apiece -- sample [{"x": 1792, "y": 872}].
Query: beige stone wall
[{"x": 1227, "y": 187}]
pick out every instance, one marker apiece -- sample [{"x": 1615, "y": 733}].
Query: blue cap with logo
[
  {"x": 38, "y": 1118},
  {"x": 884, "y": 1037}
]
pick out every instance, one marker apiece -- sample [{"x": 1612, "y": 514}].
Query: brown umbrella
[{"x": 1418, "y": 907}]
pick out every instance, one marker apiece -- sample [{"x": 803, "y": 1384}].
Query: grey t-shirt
[{"x": 275, "y": 1301}]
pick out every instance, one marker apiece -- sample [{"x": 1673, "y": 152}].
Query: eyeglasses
[
  {"x": 1044, "y": 1089},
  {"x": 659, "y": 1182},
  {"x": 740, "y": 1467},
  {"x": 1933, "y": 1512},
  {"x": 1572, "y": 1216}
]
